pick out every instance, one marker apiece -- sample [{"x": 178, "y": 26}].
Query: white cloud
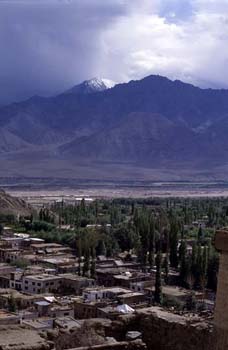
[
  {"x": 192, "y": 49},
  {"x": 49, "y": 45}
]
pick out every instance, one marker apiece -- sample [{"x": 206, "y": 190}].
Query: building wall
[{"x": 38, "y": 286}]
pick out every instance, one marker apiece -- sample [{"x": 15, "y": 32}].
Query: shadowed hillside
[{"x": 147, "y": 124}]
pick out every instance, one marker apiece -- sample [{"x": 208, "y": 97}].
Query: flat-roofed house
[{"x": 38, "y": 284}]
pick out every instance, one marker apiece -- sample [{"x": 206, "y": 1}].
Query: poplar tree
[
  {"x": 158, "y": 284},
  {"x": 173, "y": 243},
  {"x": 184, "y": 264},
  {"x": 166, "y": 268},
  {"x": 86, "y": 265}
]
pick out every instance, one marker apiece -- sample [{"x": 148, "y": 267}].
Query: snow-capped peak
[
  {"x": 109, "y": 83},
  {"x": 96, "y": 84},
  {"x": 91, "y": 86},
  {"x": 100, "y": 83}
]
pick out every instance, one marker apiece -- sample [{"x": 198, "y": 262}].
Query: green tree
[
  {"x": 101, "y": 248},
  {"x": 184, "y": 264},
  {"x": 151, "y": 242},
  {"x": 11, "y": 303},
  {"x": 158, "y": 284},
  {"x": 166, "y": 269},
  {"x": 93, "y": 264},
  {"x": 204, "y": 266},
  {"x": 191, "y": 302},
  {"x": 83, "y": 206},
  {"x": 86, "y": 264},
  {"x": 212, "y": 270},
  {"x": 174, "y": 243},
  {"x": 200, "y": 235}
]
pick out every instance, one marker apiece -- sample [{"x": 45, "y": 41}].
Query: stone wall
[
  {"x": 162, "y": 330},
  {"x": 92, "y": 335}
]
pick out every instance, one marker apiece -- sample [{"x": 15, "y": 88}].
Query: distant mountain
[
  {"x": 141, "y": 138},
  {"x": 146, "y": 125}
]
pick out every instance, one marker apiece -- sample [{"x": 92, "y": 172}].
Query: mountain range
[{"x": 153, "y": 128}]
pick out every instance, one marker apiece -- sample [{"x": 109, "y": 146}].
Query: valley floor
[{"x": 39, "y": 194}]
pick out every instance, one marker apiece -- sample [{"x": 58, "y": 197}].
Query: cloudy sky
[{"x": 47, "y": 46}]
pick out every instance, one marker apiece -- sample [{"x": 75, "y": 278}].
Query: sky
[{"x": 48, "y": 46}]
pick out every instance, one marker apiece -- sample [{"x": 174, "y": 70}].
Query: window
[
  {"x": 39, "y": 284},
  {"x": 26, "y": 288},
  {"x": 26, "y": 281},
  {"x": 33, "y": 283}
]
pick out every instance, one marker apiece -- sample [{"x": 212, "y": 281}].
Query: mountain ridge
[{"x": 145, "y": 123}]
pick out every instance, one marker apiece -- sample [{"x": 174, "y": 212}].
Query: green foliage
[
  {"x": 19, "y": 263},
  {"x": 172, "y": 302},
  {"x": 174, "y": 242},
  {"x": 141, "y": 226},
  {"x": 8, "y": 218},
  {"x": 166, "y": 269},
  {"x": 158, "y": 284},
  {"x": 190, "y": 304},
  {"x": 93, "y": 268},
  {"x": 185, "y": 265},
  {"x": 212, "y": 269},
  {"x": 11, "y": 304},
  {"x": 41, "y": 226}
]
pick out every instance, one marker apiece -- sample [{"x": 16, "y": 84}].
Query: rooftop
[
  {"x": 172, "y": 290},
  {"x": 43, "y": 277},
  {"x": 46, "y": 245},
  {"x": 68, "y": 322},
  {"x": 74, "y": 277},
  {"x": 131, "y": 294},
  {"x": 115, "y": 290},
  {"x": 6, "y": 314}
]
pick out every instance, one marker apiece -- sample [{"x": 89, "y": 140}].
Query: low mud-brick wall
[{"x": 162, "y": 330}]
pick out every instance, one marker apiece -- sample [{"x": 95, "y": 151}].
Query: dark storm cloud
[{"x": 46, "y": 46}]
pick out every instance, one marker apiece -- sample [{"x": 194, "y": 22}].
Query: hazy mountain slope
[
  {"x": 90, "y": 112},
  {"x": 141, "y": 138},
  {"x": 10, "y": 142},
  {"x": 150, "y": 122}
]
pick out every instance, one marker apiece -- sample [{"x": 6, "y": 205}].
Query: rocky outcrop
[
  {"x": 10, "y": 205},
  {"x": 22, "y": 338}
]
